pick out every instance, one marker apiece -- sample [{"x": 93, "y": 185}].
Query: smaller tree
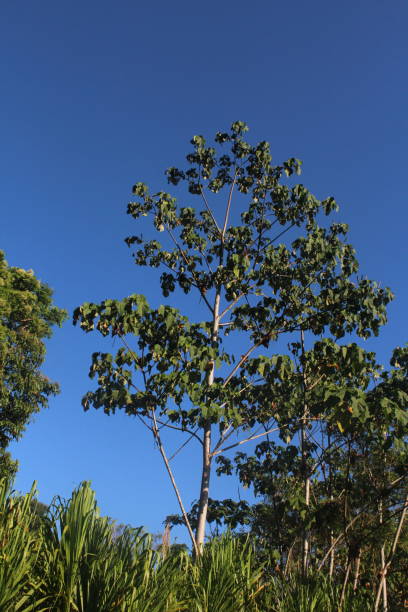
[{"x": 27, "y": 314}]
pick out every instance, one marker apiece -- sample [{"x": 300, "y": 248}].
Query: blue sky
[{"x": 98, "y": 95}]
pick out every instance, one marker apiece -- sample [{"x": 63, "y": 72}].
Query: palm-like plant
[
  {"x": 224, "y": 578},
  {"x": 19, "y": 547}
]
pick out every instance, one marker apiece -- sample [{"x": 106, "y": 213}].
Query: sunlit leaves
[{"x": 27, "y": 315}]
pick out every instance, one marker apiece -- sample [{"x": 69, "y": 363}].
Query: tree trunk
[
  {"x": 357, "y": 563},
  {"x": 204, "y": 488},
  {"x": 344, "y": 587},
  {"x": 206, "y": 465},
  {"x": 387, "y": 564},
  {"x": 331, "y": 567},
  {"x": 384, "y": 590},
  {"x": 305, "y": 537},
  {"x": 306, "y": 543}
]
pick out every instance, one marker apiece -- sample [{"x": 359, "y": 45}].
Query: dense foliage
[{"x": 27, "y": 314}]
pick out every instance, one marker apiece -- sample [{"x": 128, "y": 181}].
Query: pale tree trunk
[
  {"x": 357, "y": 563},
  {"x": 288, "y": 560},
  {"x": 306, "y": 539},
  {"x": 331, "y": 566},
  {"x": 306, "y": 482},
  {"x": 384, "y": 589},
  {"x": 204, "y": 488},
  {"x": 386, "y": 566},
  {"x": 344, "y": 587},
  {"x": 207, "y": 458}
]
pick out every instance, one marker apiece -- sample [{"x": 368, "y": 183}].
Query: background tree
[
  {"x": 248, "y": 280},
  {"x": 356, "y": 438},
  {"x": 27, "y": 315}
]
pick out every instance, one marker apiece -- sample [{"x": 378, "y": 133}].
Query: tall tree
[
  {"x": 27, "y": 315},
  {"x": 263, "y": 265}
]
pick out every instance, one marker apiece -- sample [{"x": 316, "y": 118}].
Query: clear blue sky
[{"x": 98, "y": 95}]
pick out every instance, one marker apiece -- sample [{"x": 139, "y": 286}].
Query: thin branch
[
  {"x": 210, "y": 211},
  {"x": 144, "y": 422},
  {"x": 242, "y": 361},
  {"x": 264, "y": 433},
  {"x": 337, "y": 540},
  {"x": 279, "y": 235},
  {"x": 184, "y": 256},
  {"x": 325, "y": 455},
  {"x": 135, "y": 357},
  {"x": 144, "y": 377},
  {"x": 157, "y": 437},
  {"x": 232, "y": 304},
  {"x": 244, "y": 357},
  {"x": 173, "y": 482},
  {"x": 315, "y": 383},
  {"x": 211, "y": 271},
  {"x": 396, "y": 481},
  {"x": 230, "y": 430},
  {"x": 181, "y": 447},
  {"x": 227, "y": 212},
  {"x": 183, "y": 429},
  {"x": 129, "y": 382},
  {"x": 226, "y": 434}
]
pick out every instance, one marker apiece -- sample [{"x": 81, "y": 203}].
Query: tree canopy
[{"x": 27, "y": 314}]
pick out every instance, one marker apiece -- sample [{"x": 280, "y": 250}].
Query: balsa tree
[
  {"x": 27, "y": 315},
  {"x": 258, "y": 262}
]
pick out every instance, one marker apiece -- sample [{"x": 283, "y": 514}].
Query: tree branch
[
  {"x": 227, "y": 212},
  {"x": 210, "y": 211},
  {"x": 184, "y": 256},
  {"x": 264, "y": 433},
  {"x": 173, "y": 482},
  {"x": 183, "y": 429}
]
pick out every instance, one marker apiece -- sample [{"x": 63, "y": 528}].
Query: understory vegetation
[{"x": 69, "y": 558}]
